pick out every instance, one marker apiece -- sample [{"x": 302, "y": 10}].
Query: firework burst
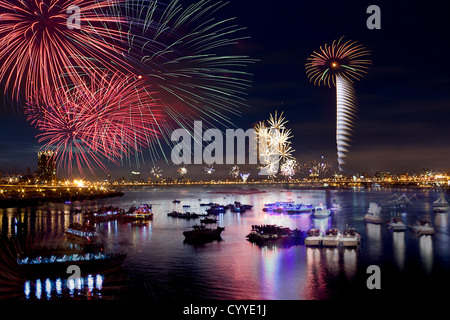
[
  {"x": 289, "y": 168},
  {"x": 37, "y": 47},
  {"x": 182, "y": 171},
  {"x": 185, "y": 54},
  {"x": 234, "y": 172},
  {"x": 210, "y": 169},
  {"x": 340, "y": 65},
  {"x": 156, "y": 172},
  {"x": 274, "y": 145},
  {"x": 109, "y": 119}
]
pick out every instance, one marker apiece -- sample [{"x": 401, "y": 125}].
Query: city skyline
[{"x": 402, "y": 102}]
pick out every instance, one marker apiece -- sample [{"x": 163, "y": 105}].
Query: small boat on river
[
  {"x": 396, "y": 224},
  {"x": 201, "y": 234},
  {"x": 140, "y": 213},
  {"x": 373, "y": 215},
  {"x": 262, "y": 234},
  {"x": 350, "y": 238},
  {"x": 321, "y": 212},
  {"x": 332, "y": 238},
  {"x": 422, "y": 227},
  {"x": 313, "y": 238}
]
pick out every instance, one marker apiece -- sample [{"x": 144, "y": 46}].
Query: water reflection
[
  {"x": 350, "y": 263},
  {"x": 441, "y": 220},
  {"x": 426, "y": 252},
  {"x": 398, "y": 241},
  {"x": 374, "y": 241},
  {"x": 316, "y": 276},
  {"x": 232, "y": 268},
  {"x": 322, "y": 224},
  {"x": 89, "y": 287}
]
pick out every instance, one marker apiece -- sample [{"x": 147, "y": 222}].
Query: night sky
[{"x": 404, "y": 100}]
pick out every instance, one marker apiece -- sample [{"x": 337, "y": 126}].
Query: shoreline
[{"x": 24, "y": 202}]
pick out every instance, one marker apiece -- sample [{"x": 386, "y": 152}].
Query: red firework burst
[
  {"x": 37, "y": 47},
  {"x": 110, "y": 118}
]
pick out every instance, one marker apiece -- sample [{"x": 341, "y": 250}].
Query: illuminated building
[
  {"x": 135, "y": 176},
  {"x": 46, "y": 171}
]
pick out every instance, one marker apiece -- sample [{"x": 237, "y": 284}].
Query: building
[
  {"x": 46, "y": 171},
  {"x": 135, "y": 176}
]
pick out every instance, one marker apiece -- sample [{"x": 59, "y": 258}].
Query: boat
[
  {"x": 278, "y": 207},
  {"x": 373, "y": 215},
  {"x": 441, "y": 204},
  {"x": 216, "y": 209},
  {"x": 186, "y": 206},
  {"x": 81, "y": 234},
  {"x": 185, "y": 215},
  {"x": 104, "y": 213},
  {"x": 55, "y": 261},
  {"x": 313, "y": 238},
  {"x": 335, "y": 206},
  {"x": 332, "y": 238},
  {"x": 301, "y": 209},
  {"x": 288, "y": 207},
  {"x": 176, "y": 201},
  {"x": 396, "y": 224},
  {"x": 239, "y": 207},
  {"x": 142, "y": 213},
  {"x": 210, "y": 204},
  {"x": 350, "y": 238},
  {"x": 201, "y": 233},
  {"x": 422, "y": 227},
  {"x": 262, "y": 234},
  {"x": 321, "y": 212},
  {"x": 208, "y": 220}
]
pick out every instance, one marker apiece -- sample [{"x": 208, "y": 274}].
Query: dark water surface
[{"x": 159, "y": 265}]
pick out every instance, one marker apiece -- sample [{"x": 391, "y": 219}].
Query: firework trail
[
  {"x": 340, "y": 65},
  {"x": 110, "y": 118},
  {"x": 37, "y": 47}
]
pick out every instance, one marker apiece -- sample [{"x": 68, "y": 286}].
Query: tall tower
[{"x": 46, "y": 170}]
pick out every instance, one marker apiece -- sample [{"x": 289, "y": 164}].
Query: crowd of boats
[{"x": 422, "y": 226}]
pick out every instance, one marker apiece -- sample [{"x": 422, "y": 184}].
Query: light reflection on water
[
  {"x": 162, "y": 266},
  {"x": 89, "y": 288}
]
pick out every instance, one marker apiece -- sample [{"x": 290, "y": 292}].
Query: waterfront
[{"x": 159, "y": 265}]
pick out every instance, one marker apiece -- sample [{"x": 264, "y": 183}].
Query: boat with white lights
[
  {"x": 313, "y": 238},
  {"x": 373, "y": 215},
  {"x": 332, "y": 238},
  {"x": 441, "y": 204},
  {"x": 104, "y": 213},
  {"x": 300, "y": 209},
  {"x": 396, "y": 224},
  {"x": 142, "y": 212},
  {"x": 81, "y": 234},
  {"x": 321, "y": 212},
  {"x": 422, "y": 227},
  {"x": 350, "y": 238}
]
